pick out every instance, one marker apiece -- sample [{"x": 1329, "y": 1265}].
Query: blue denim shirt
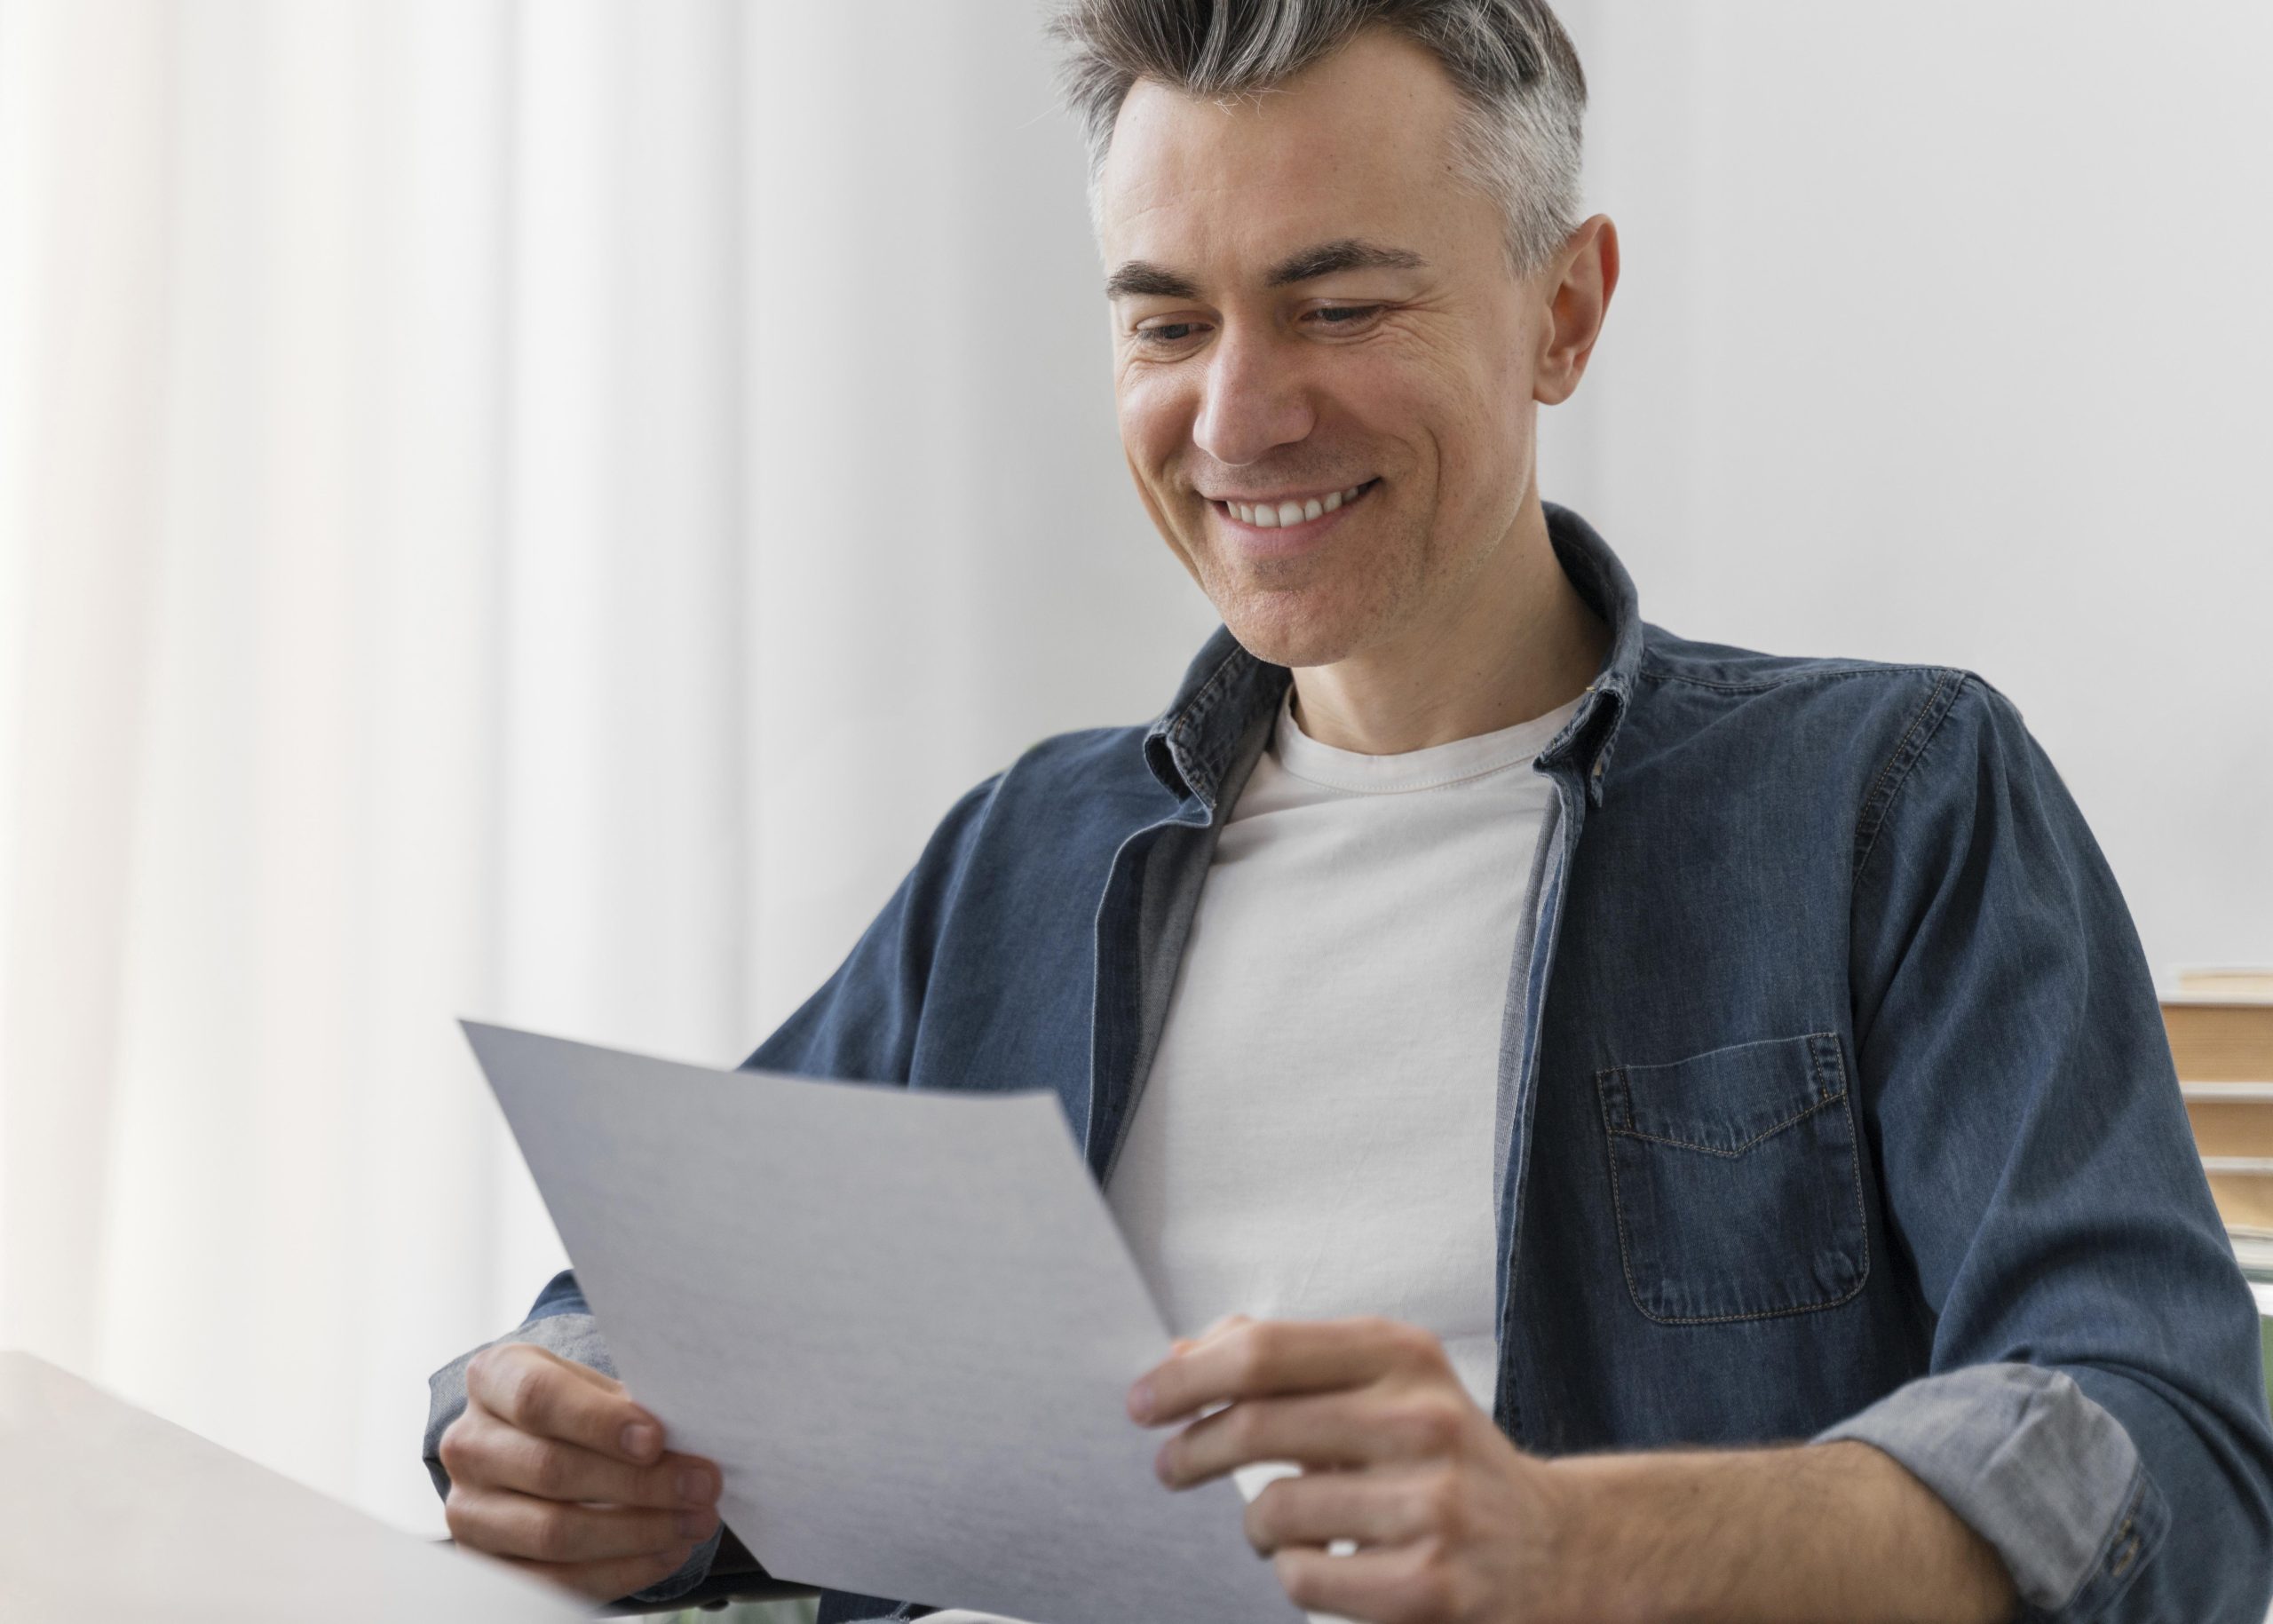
[{"x": 1835, "y": 1099}]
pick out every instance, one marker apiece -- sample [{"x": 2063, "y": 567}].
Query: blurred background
[{"x": 532, "y": 510}]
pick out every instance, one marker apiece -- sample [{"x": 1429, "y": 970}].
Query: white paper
[
  {"x": 902, "y": 1323},
  {"x": 108, "y": 1511}
]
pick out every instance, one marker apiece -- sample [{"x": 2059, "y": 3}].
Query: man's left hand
[{"x": 1450, "y": 1520}]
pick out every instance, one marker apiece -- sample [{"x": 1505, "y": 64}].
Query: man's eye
[
  {"x": 1345, "y": 315},
  {"x": 1167, "y": 333}
]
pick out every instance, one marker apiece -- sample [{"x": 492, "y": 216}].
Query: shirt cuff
[
  {"x": 2034, "y": 1466},
  {"x": 574, "y": 1337}
]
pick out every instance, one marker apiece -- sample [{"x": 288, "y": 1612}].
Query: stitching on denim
[
  {"x": 1617, "y": 1209},
  {"x": 1738, "y": 1150},
  {"x": 1616, "y": 1206},
  {"x": 1664, "y": 674},
  {"x": 1873, "y": 801},
  {"x": 1877, "y": 805},
  {"x": 2134, "y": 1507},
  {"x": 1854, "y": 1157},
  {"x": 1180, "y": 731},
  {"x": 1825, "y": 1094},
  {"x": 1625, "y": 1098},
  {"x": 1725, "y": 1048}
]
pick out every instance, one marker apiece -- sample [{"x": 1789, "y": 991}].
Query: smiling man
[{"x": 1653, "y": 1130}]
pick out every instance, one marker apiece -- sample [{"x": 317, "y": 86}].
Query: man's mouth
[{"x": 1283, "y": 512}]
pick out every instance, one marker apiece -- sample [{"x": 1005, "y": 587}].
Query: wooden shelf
[
  {"x": 2222, "y": 1044},
  {"x": 2216, "y": 1039}
]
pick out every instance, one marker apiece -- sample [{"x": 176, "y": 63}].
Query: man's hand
[
  {"x": 554, "y": 1471},
  {"x": 1451, "y": 1520},
  {"x": 1453, "y": 1525}
]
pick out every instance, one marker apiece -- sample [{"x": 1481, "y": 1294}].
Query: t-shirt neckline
[{"x": 1455, "y": 762}]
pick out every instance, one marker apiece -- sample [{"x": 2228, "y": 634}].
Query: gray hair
[{"x": 1511, "y": 60}]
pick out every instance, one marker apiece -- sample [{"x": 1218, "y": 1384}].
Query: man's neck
[{"x": 1518, "y": 642}]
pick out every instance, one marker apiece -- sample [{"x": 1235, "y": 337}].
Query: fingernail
[
  {"x": 1140, "y": 1401},
  {"x": 694, "y": 1525},
  {"x": 640, "y": 1439},
  {"x": 694, "y": 1487}
]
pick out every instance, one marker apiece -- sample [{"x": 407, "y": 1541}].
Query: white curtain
[
  {"x": 523, "y": 511},
  {"x": 532, "y": 510}
]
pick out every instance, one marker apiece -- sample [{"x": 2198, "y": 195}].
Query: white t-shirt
[{"x": 1317, "y": 1137}]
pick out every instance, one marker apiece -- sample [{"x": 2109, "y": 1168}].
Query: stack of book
[{"x": 2220, "y": 1025}]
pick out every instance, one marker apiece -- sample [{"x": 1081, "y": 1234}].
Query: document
[
  {"x": 903, "y": 1324},
  {"x": 108, "y": 1511}
]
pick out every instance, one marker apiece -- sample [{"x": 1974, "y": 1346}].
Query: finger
[
  {"x": 603, "y": 1582},
  {"x": 1365, "y": 1427},
  {"x": 537, "y": 1391},
  {"x": 509, "y": 1524},
  {"x": 1185, "y": 1343},
  {"x": 1391, "y": 1581},
  {"x": 1266, "y": 1357},
  {"x": 505, "y": 1457},
  {"x": 1372, "y": 1507}
]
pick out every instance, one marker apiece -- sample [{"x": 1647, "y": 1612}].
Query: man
[{"x": 1679, "y": 1133}]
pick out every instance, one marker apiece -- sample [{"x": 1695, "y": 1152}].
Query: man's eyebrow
[
  {"x": 1140, "y": 278},
  {"x": 1348, "y": 254}
]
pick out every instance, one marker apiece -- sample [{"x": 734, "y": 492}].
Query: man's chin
[{"x": 1287, "y": 633}]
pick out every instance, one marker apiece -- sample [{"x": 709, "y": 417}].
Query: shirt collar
[{"x": 1228, "y": 696}]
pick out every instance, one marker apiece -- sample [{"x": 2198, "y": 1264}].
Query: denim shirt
[{"x": 1834, "y": 1101}]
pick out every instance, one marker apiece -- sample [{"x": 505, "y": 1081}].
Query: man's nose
[{"x": 1255, "y": 400}]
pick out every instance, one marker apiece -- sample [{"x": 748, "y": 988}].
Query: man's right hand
[{"x": 554, "y": 1471}]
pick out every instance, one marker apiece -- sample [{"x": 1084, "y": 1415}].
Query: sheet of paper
[
  {"x": 108, "y": 1511},
  {"x": 902, "y": 1323}
]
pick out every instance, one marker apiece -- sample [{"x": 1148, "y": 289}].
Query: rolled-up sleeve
[
  {"x": 2096, "y": 1405},
  {"x": 560, "y": 1322},
  {"x": 2049, "y": 1477}
]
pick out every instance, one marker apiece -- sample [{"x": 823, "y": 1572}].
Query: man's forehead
[
  {"x": 1168, "y": 146},
  {"x": 1355, "y": 149}
]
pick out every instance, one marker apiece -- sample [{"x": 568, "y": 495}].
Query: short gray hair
[{"x": 1511, "y": 60}]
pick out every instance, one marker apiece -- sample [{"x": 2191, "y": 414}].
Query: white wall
[
  {"x": 949, "y": 560},
  {"x": 1945, "y": 335}
]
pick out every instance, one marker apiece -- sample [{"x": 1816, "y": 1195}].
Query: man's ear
[{"x": 1577, "y": 285}]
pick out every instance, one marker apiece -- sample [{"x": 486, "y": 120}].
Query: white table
[{"x": 107, "y": 1511}]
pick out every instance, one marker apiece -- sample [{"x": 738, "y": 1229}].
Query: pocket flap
[{"x": 1726, "y": 1100}]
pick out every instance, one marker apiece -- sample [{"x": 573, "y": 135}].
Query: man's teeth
[{"x": 1269, "y": 515}]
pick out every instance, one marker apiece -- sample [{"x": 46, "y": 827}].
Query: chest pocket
[{"x": 1736, "y": 1181}]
